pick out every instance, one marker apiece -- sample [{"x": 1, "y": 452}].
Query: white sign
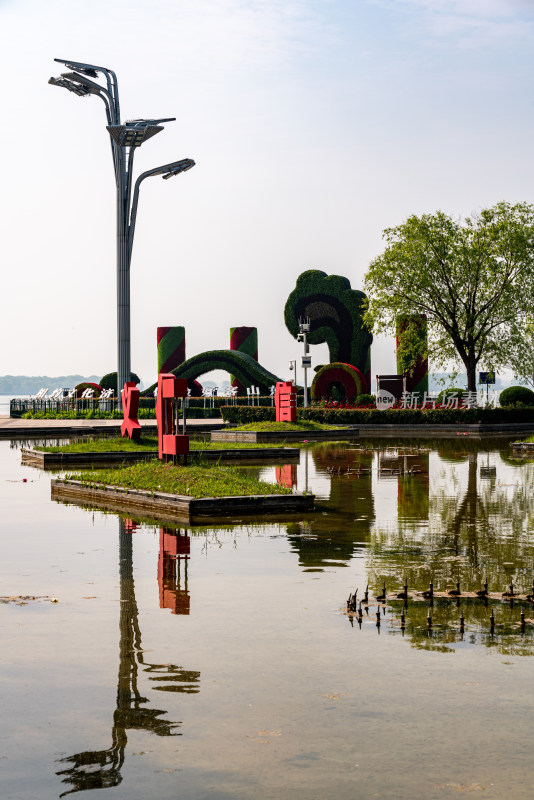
[{"x": 384, "y": 400}]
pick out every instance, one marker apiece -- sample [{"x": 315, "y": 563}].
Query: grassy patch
[
  {"x": 302, "y": 425},
  {"x": 194, "y": 481},
  {"x": 120, "y": 445}
]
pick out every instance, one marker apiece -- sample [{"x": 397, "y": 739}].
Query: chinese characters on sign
[{"x": 411, "y": 400}]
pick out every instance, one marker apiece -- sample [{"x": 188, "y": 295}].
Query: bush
[
  {"x": 442, "y": 396},
  {"x": 109, "y": 381},
  {"x": 366, "y": 401},
  {"x": 392, "y": 416},
  {"x": 516, "y": 395},
  {"x": 242, "y": 414}
]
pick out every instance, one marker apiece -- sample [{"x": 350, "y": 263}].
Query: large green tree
[{"x": 474, "y": 279}]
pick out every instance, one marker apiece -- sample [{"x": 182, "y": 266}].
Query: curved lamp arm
[{"x": 166, "y": 171}]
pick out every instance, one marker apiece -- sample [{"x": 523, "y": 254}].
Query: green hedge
[
  {"x": 243, "y": 414},
  {"x": 393, "y": 416},
  {"x": 515, "y": 395}
]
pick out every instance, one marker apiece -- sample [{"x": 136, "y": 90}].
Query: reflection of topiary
[
  {"x": 335, "y": 311},
  {"x": 109, "y": 381},
  {"x": 338, "y": 382},
  {"x": 515, "y": 395},
  {"x": 81, "y": 387}
]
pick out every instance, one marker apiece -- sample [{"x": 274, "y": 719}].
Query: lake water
[{"x": 237, "y": 673}]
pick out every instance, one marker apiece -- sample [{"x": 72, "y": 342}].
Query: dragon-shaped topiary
[{"x": 336, "y": 315}]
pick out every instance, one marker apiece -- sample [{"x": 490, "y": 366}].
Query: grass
[
  {"x": 116, "y": 445},
  {"x": 303, "y": 425},
  {"x": 194, "y": 481}
]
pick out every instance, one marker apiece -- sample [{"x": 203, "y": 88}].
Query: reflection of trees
[
  {"x": 101, "y": 769},
  {"x": 332, "y": 539},
  {"x": 445, "y": 634},
  {"x": 477, "y": 529}
]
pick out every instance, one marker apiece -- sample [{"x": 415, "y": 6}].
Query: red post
[
  {"x": 170, "y": 442},
  {"x": 130, "y": 405},
  {"x": 285, "y": 401}
]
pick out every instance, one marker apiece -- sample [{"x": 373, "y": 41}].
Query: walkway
[{"x": 11, "y": 426}]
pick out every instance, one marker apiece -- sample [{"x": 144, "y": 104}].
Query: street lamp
[
  {"x": 304, "y": 328},
  {"x": 124, "y": 138}
]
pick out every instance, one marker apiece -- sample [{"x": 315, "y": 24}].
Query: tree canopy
[{"x": 474, "y": 280}]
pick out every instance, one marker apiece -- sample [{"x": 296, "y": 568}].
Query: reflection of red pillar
[
  {"x": 287, "y": 475},
  {"x": 129, "y": 525},
  {"x": 172, "y": 548}
]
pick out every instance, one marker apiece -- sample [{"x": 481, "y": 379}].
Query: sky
[{"x": 314, "y": 125}]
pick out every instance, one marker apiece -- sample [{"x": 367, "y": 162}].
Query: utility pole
[
  {"x": 304, "y": 328},
  {"x": 124, "y": 137}
]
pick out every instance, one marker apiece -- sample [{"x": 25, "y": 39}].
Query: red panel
[
  {"x": 130, "y": 404},
  {"x": 285, "y": 401},
  {"x": 174, "y": 445}
]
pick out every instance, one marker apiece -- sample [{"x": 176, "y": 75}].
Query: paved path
[{"x": 11, "y": 426}]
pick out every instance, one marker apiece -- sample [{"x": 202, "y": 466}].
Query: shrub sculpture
[
  {"x": 244, "y": 340},
  {"x": 516, "y": 395},
  {"x": 342, "y": 379},
  {"x": 109, "y": 381},
  {"x": 171, "y": 348},
  {"x": 336, "y": 314},
  {"x": 412, "y": 351},
  {"x": 245, "y": 368},
  {"x": 81, "y": 387}
]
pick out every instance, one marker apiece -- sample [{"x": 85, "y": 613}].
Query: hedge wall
[{"x": 393, "y": 416}]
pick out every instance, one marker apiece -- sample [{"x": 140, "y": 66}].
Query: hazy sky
[{"x": 315, "y": 124}]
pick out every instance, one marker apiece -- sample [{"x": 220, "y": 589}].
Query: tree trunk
[{"x": 471, "y": 367}]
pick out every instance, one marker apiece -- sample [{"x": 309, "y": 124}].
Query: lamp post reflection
[{"x": 101, "y": 769}]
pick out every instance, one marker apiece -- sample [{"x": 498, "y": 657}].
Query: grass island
[
  {"x": 117, "y": 450},
  {"x": 269, "y": 431},
  {"x": 169, "y": 491}
]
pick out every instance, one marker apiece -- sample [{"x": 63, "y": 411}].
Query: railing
[{"x": 71, "y": 408}]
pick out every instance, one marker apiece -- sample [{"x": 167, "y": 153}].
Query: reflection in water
[
  {"x": 477, "y": 530},
  {"x": 101, "y": 769},
  {"x": 287, "y": 475},
  {"x": 173, "y": 549},
  {"x": 332, "y": 537},
  {"x": 448, "y": 625}
]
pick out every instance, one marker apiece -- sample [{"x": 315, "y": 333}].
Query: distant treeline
[{"x": 30, "y": 384}]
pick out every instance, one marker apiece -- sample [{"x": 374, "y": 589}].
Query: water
[
  {"x": 5, "y": 400},
  {"x": 236, "y": 673}
]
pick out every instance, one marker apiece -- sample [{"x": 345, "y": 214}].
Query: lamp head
[{"x": 76, "y": 88}]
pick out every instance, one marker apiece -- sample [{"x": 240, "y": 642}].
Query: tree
[{"x": 474, "y": 281}]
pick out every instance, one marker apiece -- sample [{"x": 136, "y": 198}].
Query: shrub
[
  {"x": 442, "y": 396},
  {"x": 516, "y": 395},
  {"x": 109, "y": 381},
  {"x": 243, "y": 414},
  {"x": 366, "y": 401},
  {"x": 392, "y": 416}
]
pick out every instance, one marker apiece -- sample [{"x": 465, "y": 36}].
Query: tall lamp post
[{"x": 124, "y": 137}]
